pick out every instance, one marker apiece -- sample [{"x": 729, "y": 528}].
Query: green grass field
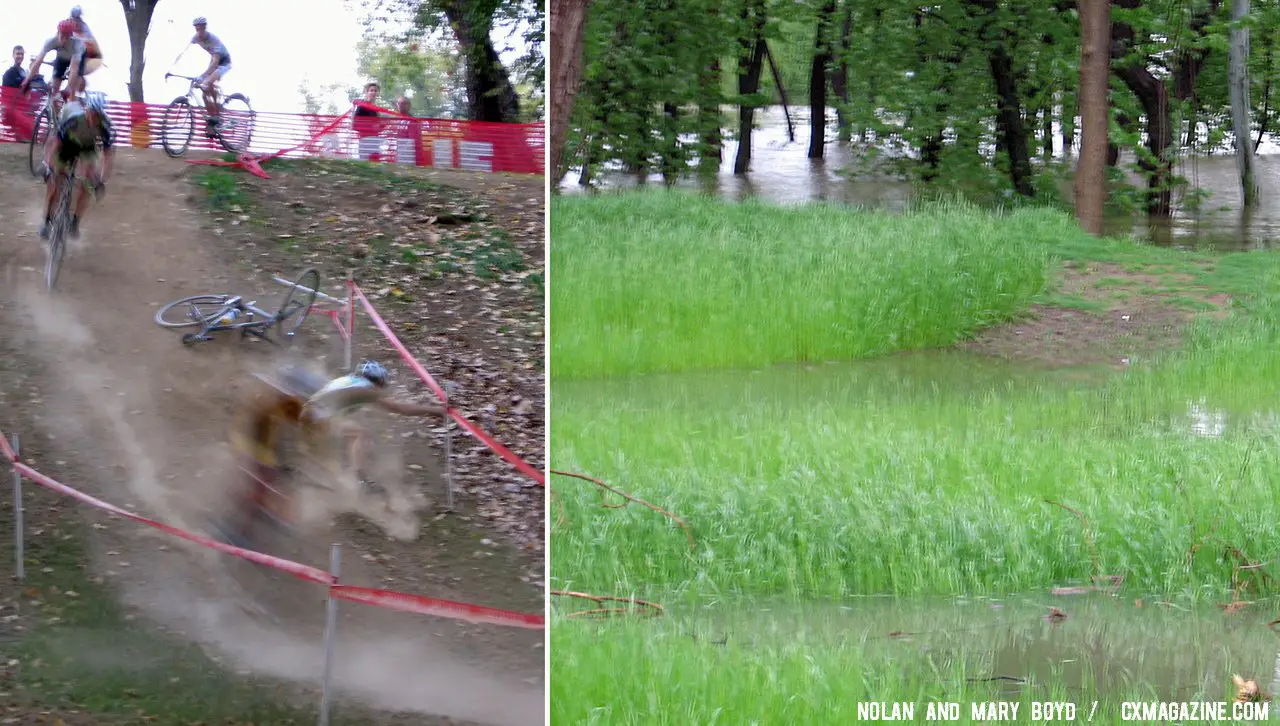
[{"x": 919, "y": 475}]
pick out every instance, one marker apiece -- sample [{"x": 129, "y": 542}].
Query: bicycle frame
[
  {"x": 204, "y": 97},
  {"x": 249, "y": 326}
]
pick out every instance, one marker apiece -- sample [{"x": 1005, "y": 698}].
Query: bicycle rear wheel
[
  {"x": 196, "y": 311},
  {"x": 39, "y": 134},
  {"x": 297, "y": 302},
  {"x": 235, "y": 126},
  {"x": 58, "y": 234},
  {"x": 179, "y": 126}
]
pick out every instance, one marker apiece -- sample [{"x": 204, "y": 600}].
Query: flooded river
[{"x": 781, "y": 172}]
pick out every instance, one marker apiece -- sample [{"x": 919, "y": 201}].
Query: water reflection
[
  {"x": 1213, "y": 423},
  {"x": 782, "y": 173},
  {"x": 1104, "y": 643}
]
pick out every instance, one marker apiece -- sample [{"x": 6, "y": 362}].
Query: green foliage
[
  {"x": 919, "y": 78},
  {"x": 429, "y": 74},
  {"x": 731, "y": 285}
]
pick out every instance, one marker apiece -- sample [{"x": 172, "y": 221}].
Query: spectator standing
[
  {"x": 15, "y": 107},
  {"x": 368, "y": 126},
  {"x": 15, "y": 75},
  {"x": 409, "y": 133}
]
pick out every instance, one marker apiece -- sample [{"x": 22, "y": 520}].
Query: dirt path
[{"x": 134, "y": 417}]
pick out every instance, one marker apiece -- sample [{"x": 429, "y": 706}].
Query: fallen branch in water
[
  {"x": 1088, "y": 536},
  {"x": 655, "y": 608},
  {"x": 688, "y": 532}
]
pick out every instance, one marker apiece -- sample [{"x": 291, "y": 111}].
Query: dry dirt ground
[
  {"x": 1118, "y": 315},
  {"x": 109, "y": 402}
]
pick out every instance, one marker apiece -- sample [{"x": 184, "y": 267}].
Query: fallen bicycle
[{"x": 211, "y": 313}]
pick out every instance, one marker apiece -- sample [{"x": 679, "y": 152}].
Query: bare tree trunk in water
[
  {"x": 840, "y": 80},
  {"x": 1046, "y": 131},
  {"x": 750, "y": 65},
  {"x": 1266, "y": 89},
  {"x": 1154, "y": 96},
  {"x": 818, "y": 81},
  {"x": 1011, "y": 130},
  {"x": 1239, "y": 79},
  {"x": 1095, "y": 60},
  {"x": 1067, "y": 119},
  {"x": 137, "y": 14},
  {"x": 568, "y": 30}
]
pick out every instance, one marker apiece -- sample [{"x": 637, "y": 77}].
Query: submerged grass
[
  {"x": 762, "y": 667},
  {"x": 670, "y": 281},
  {"x": 912, "y": 475}
]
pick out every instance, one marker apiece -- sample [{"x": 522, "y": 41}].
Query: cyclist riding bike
[
  {"x": 219, "y": 64},
  {"x": 298, "y": 397},
  {"x": 80, "y": 129},
  {"x": 71, "y": 55},
  {"x": 92, "y": 51}
]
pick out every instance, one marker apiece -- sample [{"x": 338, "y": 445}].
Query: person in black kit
[{"x": 14, "y": 77}]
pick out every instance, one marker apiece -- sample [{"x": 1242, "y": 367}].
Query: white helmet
[
  {"x": 95, "y": 101},
  {"x": 199, "y": 21}
]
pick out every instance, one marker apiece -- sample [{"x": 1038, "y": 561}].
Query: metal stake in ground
[
  {"x": 351, "y": 316},
  {"x": 330, "y": 632},
  {"x": 17, "y": 509}
]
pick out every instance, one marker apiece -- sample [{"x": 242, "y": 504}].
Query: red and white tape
[
  {"x": 379, "y": 598},
  {"x": 520, "y": 464}
]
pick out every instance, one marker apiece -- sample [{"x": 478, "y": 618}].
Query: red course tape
[
  {"x": 520, "y": 464},
  {"x": 378, "y": 598}
]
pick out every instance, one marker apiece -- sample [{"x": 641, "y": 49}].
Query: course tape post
[
  {"x": 378, "y": 598},
  {"x": 520, "y": 464},
  {"x": 389, "y": 137}
]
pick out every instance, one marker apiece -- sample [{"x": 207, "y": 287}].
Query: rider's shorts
[
  {"x": 224, "y": 65},
  {"x": 60, "y": 67},
  {"x": 69, "y": 152}
]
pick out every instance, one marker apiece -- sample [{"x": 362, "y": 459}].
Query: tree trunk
[
  {"x": 1011, "y": 127},
  {"x": 137, "y": 15},
  {"x": 818, "y": 81},
  {"x": 1153, "y": 95},
  {"x": 1095, "y": 58},
  {"x": 840, "y": 80},
  {"x": 750, "y": 65},
  {"x": 1067, "y": 119},
  {"x": 490, "y": 94},
  {"x": 1266, "y": 88},
  {"x": 1239, "y": 79},
  {"x": 568, "y": 31}
]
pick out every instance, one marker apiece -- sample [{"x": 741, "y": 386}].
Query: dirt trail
[{"x": 148, "y": 418}]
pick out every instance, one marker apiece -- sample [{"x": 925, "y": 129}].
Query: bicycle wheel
[
  {"x": 39, "y": 134},
  {"x": 196, "y": 311},
  {"x": 179, "y": 127},
  {"x": 235, "y": 130},
  {"x": 300, "y": 298},
  {"x": 57, "y": 235}
]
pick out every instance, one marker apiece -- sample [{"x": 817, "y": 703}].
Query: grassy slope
[{"x": 862, "y": 483}]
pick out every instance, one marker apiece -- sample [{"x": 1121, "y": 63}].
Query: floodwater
[
  {"x": 782, "y": 173},
  {"x": 1104, "y": 643}
]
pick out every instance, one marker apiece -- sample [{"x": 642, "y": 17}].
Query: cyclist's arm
[
  {"x": 184, "y": 52},
  {"x": 53, "y": 148},
  {"x": 407, "y": 408},
  {"x": 35, "y": 64},
  {"x": 77, "y": 54}
]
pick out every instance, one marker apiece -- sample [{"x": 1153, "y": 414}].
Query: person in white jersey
[{"x": 219, "y": 64}]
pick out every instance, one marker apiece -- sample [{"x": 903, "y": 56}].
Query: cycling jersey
[
  {"x": 341, "y": 395},
  {"x": 69, "y": 50},
  {"x": 213, "y": 46},
  {"x": 85, "y": 35},
  {"x": 78, "y": 135}
]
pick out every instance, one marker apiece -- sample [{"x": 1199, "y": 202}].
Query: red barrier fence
[
  {"x": 392, "y": 138},
  {"x": 379, "y": 598}
]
